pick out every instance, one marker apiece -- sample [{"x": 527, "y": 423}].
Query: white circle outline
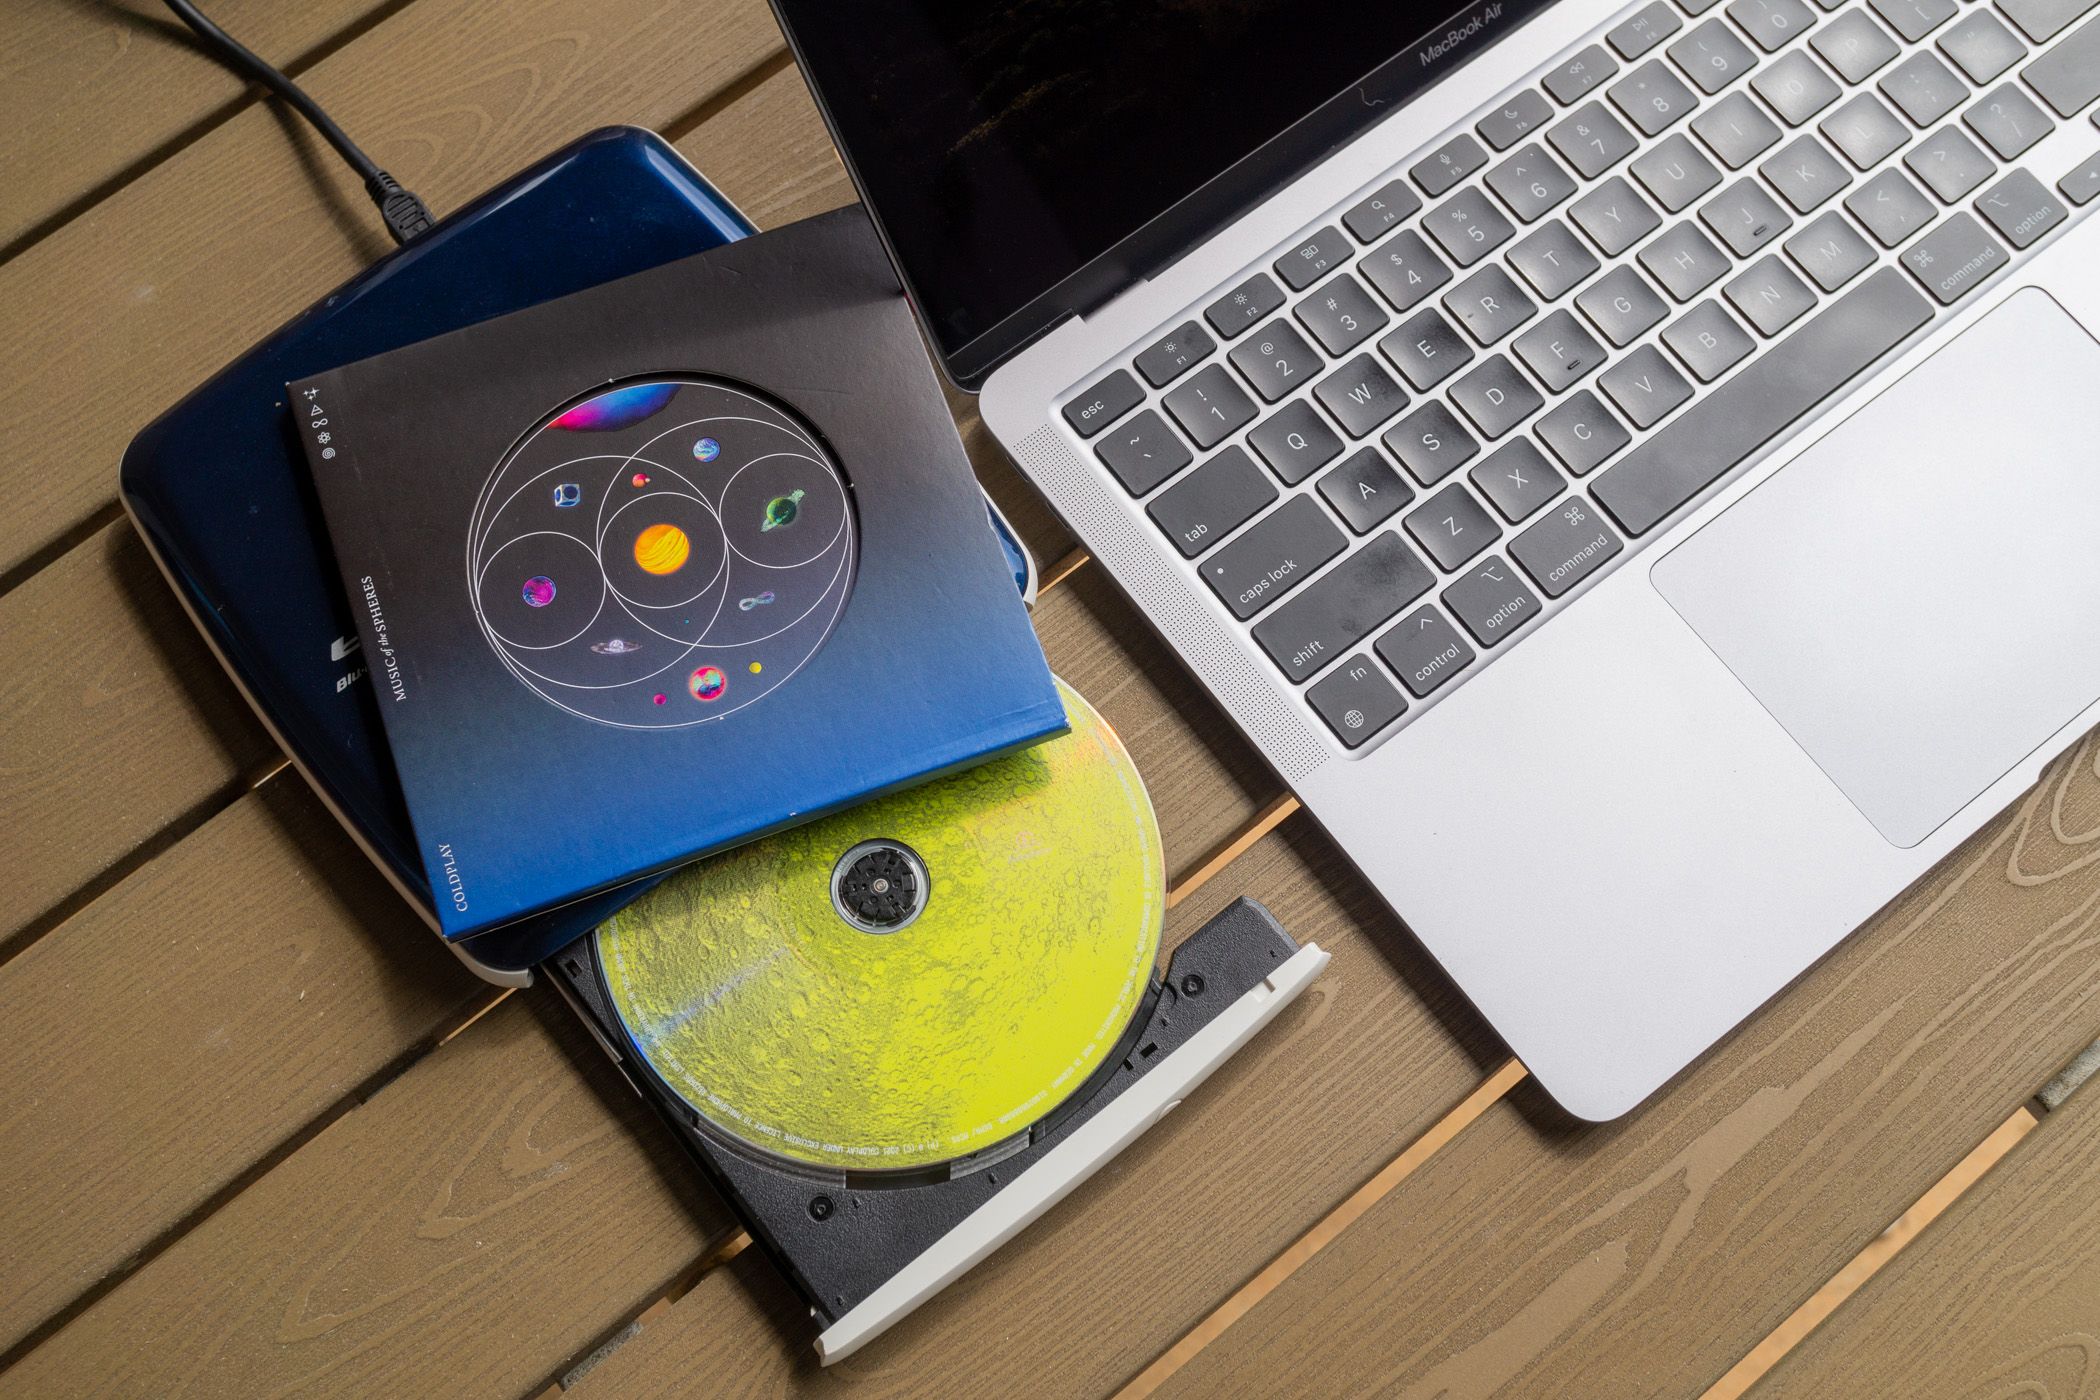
[{"x": 781, "y": 423}]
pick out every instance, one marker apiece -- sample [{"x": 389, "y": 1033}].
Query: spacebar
[{"x": 1757, "y": 405}]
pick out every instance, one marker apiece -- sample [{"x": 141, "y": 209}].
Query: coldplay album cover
[{"x": 666, "y": 565}]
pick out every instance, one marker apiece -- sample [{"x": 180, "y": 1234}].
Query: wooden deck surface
[{"x": 260, "y": 1134}]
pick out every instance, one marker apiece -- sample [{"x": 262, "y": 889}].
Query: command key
[{"x": 1567, "y": 546}]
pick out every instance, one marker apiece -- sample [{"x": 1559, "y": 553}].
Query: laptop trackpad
[{"x": 1915, "y": 597}]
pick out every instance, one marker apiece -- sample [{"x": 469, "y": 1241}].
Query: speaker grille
[{"x": 1135, "y": 561}]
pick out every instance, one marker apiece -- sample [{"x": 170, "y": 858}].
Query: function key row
[{"x": 1652, "y": 98}]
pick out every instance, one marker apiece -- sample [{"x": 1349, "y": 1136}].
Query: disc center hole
[{"x": 879, "y": 886}]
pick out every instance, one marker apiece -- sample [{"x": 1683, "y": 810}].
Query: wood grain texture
[
  {"x": 183, "y": 1025},
  {"x": 1537, "y": 1258},
  {"x": 129, "y": 306},
  {"x": 2000, "y": 1297},
  {"x": 120, "y": 720},
  {"x": 233, "y": 1305},
  {"x": 769, "y": 153},
  {"x": 485, "y": 1215},
  {"x": 1112, "y": 1276},
  {"x": 88, "y": 91}
]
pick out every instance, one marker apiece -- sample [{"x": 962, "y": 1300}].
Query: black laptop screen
[{"x": 1004, "y": 147}]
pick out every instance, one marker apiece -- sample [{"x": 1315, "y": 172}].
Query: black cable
[{"x": 406, "y": 216}]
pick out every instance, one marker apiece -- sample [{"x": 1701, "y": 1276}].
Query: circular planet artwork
[
  {"x": 662, "y": 549},
  {"x": 607, "y": 579}
]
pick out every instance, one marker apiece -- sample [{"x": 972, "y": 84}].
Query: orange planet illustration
[{"x": 662, "y": 549}]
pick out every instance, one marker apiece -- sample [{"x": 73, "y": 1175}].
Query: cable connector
[{"x": 407, "y": 218}]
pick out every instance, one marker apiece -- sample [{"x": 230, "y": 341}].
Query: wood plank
[
  {"x": 182, "y": 1026},
  {"x": 128, "y": 306},
  {"x": 1999, "y": 1297},
  {"x": 1534, "y": 1257},
  {"x": 120, "y": 721},
  {"x": 769, "y": 153},
  {"x": 484, "y": 1215},
  {"x": 1089, "y": 1294},
  {"x": 91, "y": 92},
  {"x": 360, "y": 1213}
]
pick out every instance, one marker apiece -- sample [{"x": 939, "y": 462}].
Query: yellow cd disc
[{"x": 915, "y": 979}]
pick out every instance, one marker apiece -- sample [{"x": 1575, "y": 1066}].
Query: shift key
[
  {"x": 1344, "y": 606},
  {"x": 1274, "y": 556}
]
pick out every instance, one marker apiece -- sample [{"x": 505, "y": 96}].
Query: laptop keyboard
[{"x": 1404, "y": 440}]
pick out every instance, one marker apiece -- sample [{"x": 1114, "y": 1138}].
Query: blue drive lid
[{"x": 219, "y": 489}]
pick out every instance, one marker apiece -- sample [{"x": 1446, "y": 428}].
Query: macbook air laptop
[{"x": 1629, "y": 468}]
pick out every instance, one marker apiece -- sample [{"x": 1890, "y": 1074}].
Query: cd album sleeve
[{"x": 666, "y": 565}]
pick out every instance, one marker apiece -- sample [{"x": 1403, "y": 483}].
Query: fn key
[{"x": 1356, "y": 701}]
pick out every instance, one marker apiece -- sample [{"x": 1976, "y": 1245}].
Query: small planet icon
[
  {"x": 782, "y": 510},
  {"x": 707, "y": 449},
  {"x": 662, "y": 549},
  {"x": 661, "y": 697},
  {"x": 708, "y": 683},
  {"x": 538, "y": 591},
  {"x": 640, "y": 479},
  {"x": 616, "y": 646}
]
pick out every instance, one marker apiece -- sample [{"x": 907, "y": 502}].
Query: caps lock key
[{"x": 1273, "y": 556}]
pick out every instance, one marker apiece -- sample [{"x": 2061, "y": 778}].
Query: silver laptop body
[{"x": 1836, "y": 609}]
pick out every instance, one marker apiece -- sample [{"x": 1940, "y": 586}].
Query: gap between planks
[
  {"x": 1738, "y": 1380},
  {"x": 355, "y": 1097},
  {"x": 1935, "y": 1201},
  {"x": 177, "y": 141},
  {"x": 1438, "y": 1136},
  {"x": 178, "y": 830},
  {"x": 1873, "y": 1258},
  {"x": 1938, "y": 1198}
]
